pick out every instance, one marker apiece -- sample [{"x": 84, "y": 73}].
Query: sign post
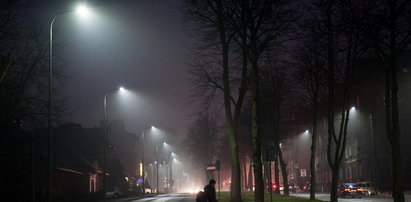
[{"x": 218, "y": 166}]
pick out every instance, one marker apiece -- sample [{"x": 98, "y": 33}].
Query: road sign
[
  {"x": 296, "y": 165},
  {"x": 303, "y": 173},
  {"x": 211, "y": 167},
  {"x": 218, "y": 165}
]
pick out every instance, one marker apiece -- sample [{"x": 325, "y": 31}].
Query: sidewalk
[{"x": 374, "y": 198}]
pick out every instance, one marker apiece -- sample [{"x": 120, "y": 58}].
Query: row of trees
[
  {"x": 259, "y": 53},
  {"x": 24, "y": 96},
  {"x": 23, "y": 68}
]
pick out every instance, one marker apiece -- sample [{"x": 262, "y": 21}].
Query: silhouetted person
[{"x": 209, "y": 191}]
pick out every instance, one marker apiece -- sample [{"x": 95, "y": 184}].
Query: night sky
[{"x": 138, "y": 44}]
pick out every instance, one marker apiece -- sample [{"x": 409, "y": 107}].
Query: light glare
[{"x": 83, "y": 10}]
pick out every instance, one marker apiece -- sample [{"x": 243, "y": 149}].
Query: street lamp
[
  {"x": 171, "y": 170},
  {"x": 169, "y": 155},
  {"x": 166, "y": 164},
  {"x": 142, "y": 155},
  {"x": 81, "y": 9},
  {"x": 157, "y": 192},
  {"x": 105, "y": 139}
]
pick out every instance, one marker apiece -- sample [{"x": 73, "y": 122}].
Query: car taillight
[
  {"x": 346, "y": 189},
  {"x": 360, "y": 189}
]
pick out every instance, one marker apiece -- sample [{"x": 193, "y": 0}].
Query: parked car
[
  {"x": 292, "y": 188},
  {"x": 114, "y": 192},
  {"x": 367, "y": 188},
  {"x": 349, "y": 189}
]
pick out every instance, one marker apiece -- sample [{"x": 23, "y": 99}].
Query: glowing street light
[
  {"x": 80, "y": 10},
  {"x": 170, "y": 158}
]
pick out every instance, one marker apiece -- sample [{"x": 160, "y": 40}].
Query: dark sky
[{"x": 138, "y": 44}]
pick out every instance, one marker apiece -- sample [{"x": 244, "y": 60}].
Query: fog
[{"x": 135, "y": 44}]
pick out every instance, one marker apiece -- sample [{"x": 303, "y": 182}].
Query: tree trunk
[
  {"x": 232, "y": 136},
  {"x": 284, "y": 172},
  {"x": 256, "y": 136},
  {"x": 398, "y": 191},
  {"x": 266, "y": 175},
  {"x": 244, "y": 173},
  {"x": 334, "y": 182},
  {"x": 313, "y": 151},
  {"x": 277, "y": 174},
  {"x": 250, "y": 176}
]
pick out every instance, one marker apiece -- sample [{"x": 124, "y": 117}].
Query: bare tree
[
  {"x": 213, "y": 71},
  {"x": 387, "y": 26},
  {"x": 201, "y": 140},
  {"x": 277, "y": 89},
  {"x": 335, "y": 22},
  {"x": 309, "y": 77},
  {"x": 267, "y": 21},
  {"x": 23, "y": 69}
]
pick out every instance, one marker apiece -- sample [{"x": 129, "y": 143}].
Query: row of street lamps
[
  {"x": 143, "y": 133},
  {"x": 83, "y": 11},
  {"x": 169, "y": 158}
]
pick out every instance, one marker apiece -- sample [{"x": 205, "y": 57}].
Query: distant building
[
  {"x": 126, "y": 147},
  {"x": 78, "y": 160},
  {"x": 367, "y": 155}
]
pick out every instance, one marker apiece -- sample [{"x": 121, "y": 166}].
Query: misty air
[{"x": 205, "y": 100}]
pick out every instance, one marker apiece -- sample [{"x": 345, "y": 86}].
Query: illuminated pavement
[{"x": 168, "y": 198}]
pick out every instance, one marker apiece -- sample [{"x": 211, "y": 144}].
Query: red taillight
[{"x": 346, "y": 189}]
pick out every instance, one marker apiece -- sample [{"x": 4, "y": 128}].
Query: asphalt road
[
  {"x": 182, "y": 197},
  {"x": 326, "y": 197},
  {"x": 168, "y": 198}
]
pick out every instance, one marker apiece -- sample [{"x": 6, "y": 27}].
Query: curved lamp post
[
  {"x": 82, "y": 10},
  {"x": 105, "y": 139}
]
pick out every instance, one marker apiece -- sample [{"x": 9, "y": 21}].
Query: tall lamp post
[
  {"x": 168, "y": 163},
  {"x": 142, "y": 156},
  {"x": 171, "y": 171},
  {"x": 105, "y": 139},
  {"x": 157, "y": 192},
  {"x": 81, "y": 9}
]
